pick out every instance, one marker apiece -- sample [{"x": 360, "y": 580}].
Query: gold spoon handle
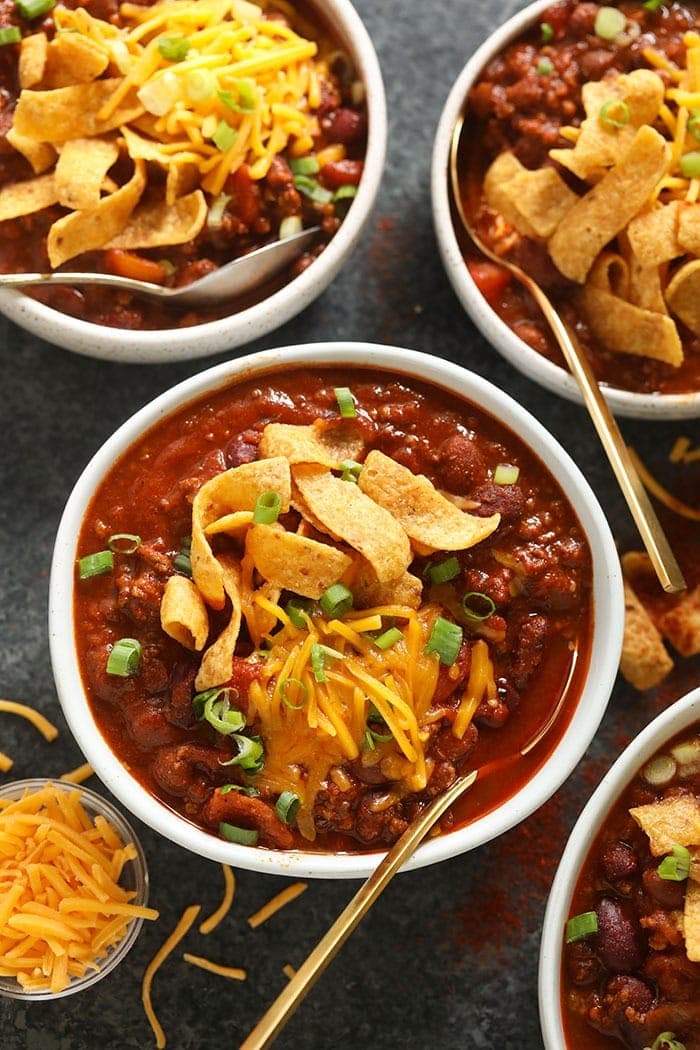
[{"x": 274, "y": 1020}]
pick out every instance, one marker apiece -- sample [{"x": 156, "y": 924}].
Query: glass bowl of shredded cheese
[{"x": 73, "y": 888}]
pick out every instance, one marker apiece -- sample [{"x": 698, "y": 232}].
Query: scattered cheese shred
[
  {"x": 59, "y": 888},
  {"x": 279, "y": 901},
  {"x": 222, "y": 911},
  {"x": 78, "y": 775},
  {"x": 186, "y": 920},
  {"x": 662, "y": 494},
  {"x": 46, "y": 728},
  {"x": 6, "y": 763},
  {"x": 683, "y": 451},
  {"x": 289, "y": 971},
  {"x": 234, "y": 972}
]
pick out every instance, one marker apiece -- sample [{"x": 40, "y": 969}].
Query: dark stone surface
[{"x": 425, "y": 968}]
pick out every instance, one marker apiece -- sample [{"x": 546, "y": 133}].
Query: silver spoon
[{"x": 235, "y": 278}]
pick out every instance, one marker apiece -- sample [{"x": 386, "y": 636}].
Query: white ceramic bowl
[
  {"x": 607, "y": 598},
  {"x": 134, "y": 878},
  {"x": 181, "y": 344},
  {"x": 670, "y": 722},
  {"x": 496, "y": 331}
]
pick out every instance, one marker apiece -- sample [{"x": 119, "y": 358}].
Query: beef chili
[
  {"x": 310, "y": 181},
  {"x": 627, "y": 973},
  {"x": 511, "y": 609},
  {"x": 520, "y": 103}
]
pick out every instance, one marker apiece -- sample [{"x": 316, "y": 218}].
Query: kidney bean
[
  {"x": 345, "y": 125},
  {"x": 341, "y": 173},
  {"x": 620, "y": 944},
  {"x": 619, "y": 861},
  {"x": 669, "y": 894}
]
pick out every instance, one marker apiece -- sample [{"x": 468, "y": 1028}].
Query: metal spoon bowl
[{"x": 234, "y": 278}]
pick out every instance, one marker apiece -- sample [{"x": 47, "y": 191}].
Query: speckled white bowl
[
  {"x": 182, "y": 344},
  {"x": 670, "y": 722},
  {"x": 607, "y": 598},
  {"x": 501, "y": 337}
]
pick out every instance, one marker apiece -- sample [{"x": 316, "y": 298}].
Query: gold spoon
[
  {"x": 275, "y": 1018},
  {"x": 234, "y": 278},
  {"x": 653, "y": 536}
]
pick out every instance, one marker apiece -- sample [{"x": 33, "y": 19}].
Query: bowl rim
[
  {"x": 99, "y": 805},
  {"x": 607, "y": 603},
  {"x": 678, "y": 716},
  {"x": 165, "y": 345},
  {"x": 523, "y": 357}
]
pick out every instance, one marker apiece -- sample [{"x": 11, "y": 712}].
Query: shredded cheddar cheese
[
  {"x": 46, "y": 728},
  {"x": 183, "y": 926},
  {"x": 222, "y": 911},
  {"x": 235, "y": 973},
  {"x": 61, "y": 905},
  {"x": 662, "y": 494},
  {"x": 6, "y": 763},
  {"x": 288, "y": 971},
  {"x": 78, "y": 775},
  {"x": 287, "y": 895}
]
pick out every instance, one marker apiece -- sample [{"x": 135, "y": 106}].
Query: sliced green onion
[
  {"x": 34, "y": 8},
  {"x": 350, "y": 470},
  {"x": 267, "y": 508},
  {"x": 653, "y": 5},
  {"x": 125, "y": 658},
  {"x": 95, "y": 564},
  {"x": 200, "y": 85},
  {"x": 689, "y": 164},
  {"x": 173, "y": 48},
  {"x": 346, "y": 402},
  {"x": 319, "y": 655},
  {"x": 213, "y": 706},
  {"x": 615, "y": 113},
  {"x": 313, "y": 189},
  {"x": 693, "y": 125},
  {"x": 249, "y": 790},
  {"x": 295, "y": 608},
  {"x": 609, "y": 22},
  {"x": 215, "y": 214},
  {"x": 250, "y": 755},
  {"x": 546, "y": 32},
  {"x": 660, "y": 770},
  {"x": 336, "y": 600},
  {"x": 478, "y": 606},
  {"x": 388, "y": 638},
  {"x": 667, "y": 1040},
  {"x": 247, "y": 94},
  {"x": 380, "y": 738},
  {"x": 183, "y": 564},
  {"x": 242, "y": 836},
  {"x": 580, "y": 926},
  {"x": 304, "y": 165},
  {"x": 287, "y": 807},
  {"x": 442, "y": 571},
  {"x": 300, "y": 687},
  {"x": 506, "y": 474},
  {"x": 445, "y": 640},
  {"x": 368, "y": 741},
  {"x": 675, "y": 867},
  {"x": 10, "y": 35},
  {"x": 224, "y": 136},
  {"x": 345, "y": 192},
  {"x": 290, "y": 225},
  {"x": 124, "y": 542},
  {"x": 545, "y": 67}
]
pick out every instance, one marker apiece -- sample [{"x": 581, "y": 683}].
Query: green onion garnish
[
  {"x": 445, "y": 640},
  {"x": 267, "y": 508},
  {"x": 34, "y": 8},
  {"x": 224, "y": 136},
  {"x": 615, "y": 113},
  {"x": 182, "y": 563},
  {"x": 124, "y": 542},
  {"x": 675, "y": 867},
  {"x": 304, "y": 165},
  {"x": 95, "y": 564},
  {"x": 442, "y": 571},
  {"x": 299, "y": 687},
  {"x": 693, "y": 125},
  {"x": 478, "y": 606},
  {"x": 689, "y": 164},
  {"x": 350, "y": 470},
  {"x": 653, "y": 5},
  {"x": 388, "y": 638},
  {"x": 346, "y": 402},
  {"x": 124, "y": 658},
  {"x": 608, "y": 23},
  {"x": 506, "y": 474},
  {"x": 319, "y": 655},
  {"x": 374, "y": 716},
  {"x": 247, "y": 94},
  {"x": 295, "y": 608},
  {"x": 249, "y": 790},
  {"x": 546, "y": 32},
  {"x": 368, "y": 741},
  {"x": 336, "y": 600},
  {"x": 287, "y": 807},
  {"x": 580, "y": 926},
  {"x": 10, "y": 35},
  {"x": 213, "y": 706},
  {"x": 545, "y": 67},
  {"x": 346, "y": 192},
  {"x": 250, "y": 755},
  {"x": 667, "y": 1040},
  {"x": 660, "y": 770},
  {"x": 173, "y": 48},
  {"x": 313, "y": 189},
  {"x": 242, "y": 836}
]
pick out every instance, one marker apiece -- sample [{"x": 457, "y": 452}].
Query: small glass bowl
[{"x": 134, "y": 878}]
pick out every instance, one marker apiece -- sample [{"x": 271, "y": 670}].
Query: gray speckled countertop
[{"x": 425, "y": 968}]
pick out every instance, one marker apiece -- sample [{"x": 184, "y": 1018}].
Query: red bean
[{"x": 620, "y": 943}]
